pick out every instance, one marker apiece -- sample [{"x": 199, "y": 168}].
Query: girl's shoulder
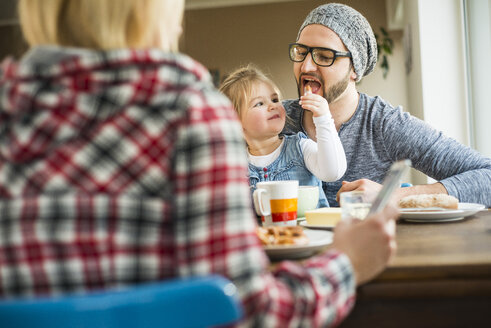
[{"x": 294, "y": 138}]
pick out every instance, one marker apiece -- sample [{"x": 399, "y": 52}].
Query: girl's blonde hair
[
  {"x": 102, "y": 24},
  {"x": 239, "y": 84}
]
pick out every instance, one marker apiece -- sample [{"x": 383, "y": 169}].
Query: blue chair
[{"x": 191, "y": 302}]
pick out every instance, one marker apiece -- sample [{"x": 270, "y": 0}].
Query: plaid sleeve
[{"x": 215, "y": 230}]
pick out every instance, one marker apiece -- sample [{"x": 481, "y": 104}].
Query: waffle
[{"x": 282, "y": 235}]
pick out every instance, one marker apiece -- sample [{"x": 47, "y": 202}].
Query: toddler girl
[{"x": 283, "y": 157}]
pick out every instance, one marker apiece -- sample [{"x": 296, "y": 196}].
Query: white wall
[
  {"x": 436, "y": 86},
  {"x": 443, "y": 67},
  {"x": 479, "y": 23},
  {"x": 437, "y": 82}
]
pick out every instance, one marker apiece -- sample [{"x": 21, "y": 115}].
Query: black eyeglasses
[{"x": 321, "y": 56}]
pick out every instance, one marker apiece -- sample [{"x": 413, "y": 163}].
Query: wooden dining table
[{"x": 440, "y": 277}]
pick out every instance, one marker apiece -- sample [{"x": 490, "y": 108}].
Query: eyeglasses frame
[{"x": 311, "y": 49}]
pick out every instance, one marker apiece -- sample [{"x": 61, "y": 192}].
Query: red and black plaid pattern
[{"x": 122, "y": 167}]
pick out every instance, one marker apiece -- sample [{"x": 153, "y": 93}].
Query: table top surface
[
  {"x": 440, "y": 277},
  {"x": 432, "y": 248}
]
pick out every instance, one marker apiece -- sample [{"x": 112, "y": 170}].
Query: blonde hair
[
  {"x": 102, "y": 24},
  {"x": 239, "y": 84}
]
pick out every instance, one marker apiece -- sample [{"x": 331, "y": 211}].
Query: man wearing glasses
[{"x": 336, "y": 48}]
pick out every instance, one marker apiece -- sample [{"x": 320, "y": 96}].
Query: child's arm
[{"x": 326, "y": 158}]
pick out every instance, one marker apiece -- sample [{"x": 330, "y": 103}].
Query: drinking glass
[{"x": 355, "y": 204}]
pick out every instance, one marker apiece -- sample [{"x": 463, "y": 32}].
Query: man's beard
[
  {"x": 337, "y": 89},
  {"x": 334, "y": 91}
]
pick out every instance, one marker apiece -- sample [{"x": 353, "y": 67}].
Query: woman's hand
[{"x": 369, "y": 243}]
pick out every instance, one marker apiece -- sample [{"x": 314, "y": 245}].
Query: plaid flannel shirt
[{"x": 127, "y": 166}]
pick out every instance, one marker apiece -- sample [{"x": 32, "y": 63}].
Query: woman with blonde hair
[{"x": 120, "y": 163}]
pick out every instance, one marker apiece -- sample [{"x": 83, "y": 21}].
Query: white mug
[
  {"x": 276, "y": 202},
  {"x": 308, "y": 198}
]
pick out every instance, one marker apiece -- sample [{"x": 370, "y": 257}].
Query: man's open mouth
[{"x": 314, "y": 83}]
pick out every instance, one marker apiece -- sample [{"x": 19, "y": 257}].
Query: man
[{"x": 373, "y": 133}]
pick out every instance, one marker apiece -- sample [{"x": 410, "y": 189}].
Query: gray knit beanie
[{"x": 353, "y": 29}]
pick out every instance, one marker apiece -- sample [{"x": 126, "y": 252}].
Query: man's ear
[{"x": 353, "y": 74}]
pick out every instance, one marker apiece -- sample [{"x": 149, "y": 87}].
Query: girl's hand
[{"x": 316, "y": 104}]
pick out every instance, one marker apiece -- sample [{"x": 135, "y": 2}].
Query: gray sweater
[{"x": 378, "y": 135}]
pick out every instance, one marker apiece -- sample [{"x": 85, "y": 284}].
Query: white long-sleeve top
[{"x": 324, "y": 159}]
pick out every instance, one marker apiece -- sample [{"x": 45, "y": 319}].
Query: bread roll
[{"x": 429, "y": 200}]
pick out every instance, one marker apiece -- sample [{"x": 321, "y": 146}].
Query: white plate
[
  {"x": 313, "y": 226},
  {"x": 465, "y": 209},
  {"x": 318, "y": 239}
]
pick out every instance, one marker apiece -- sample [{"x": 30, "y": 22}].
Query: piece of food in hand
[
  {"x": 429, "y": 200},
  {"x": 328, "y": 216},
  {"x": 307, "y": 89},
  {"x": 282, "y": 235}
]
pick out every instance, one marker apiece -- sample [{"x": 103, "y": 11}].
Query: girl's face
[{"x": 264, "y": 116}]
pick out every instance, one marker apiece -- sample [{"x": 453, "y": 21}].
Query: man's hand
[
  {"x": 369, "y": 244},
  {"x": 373, "y": 187},
  {"x": 360, "y": 185}
]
